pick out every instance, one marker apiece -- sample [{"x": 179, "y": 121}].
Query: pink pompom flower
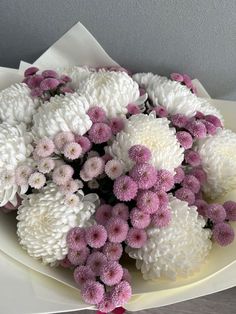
[
  {"x": 121, "y": 293},
  {"x": 116, "y": 125},
  {"x": 37, "y": 180},
  {"x": 103, "y": 214},
  {"x": 45, "y": 147},
  {"x": 139, "y": 219},
  {"x": 139, "y": 154},
  {"x": 179, "y": 120},
  {"x": 200, "y": 174},
  {"x": 71, "y": 186},
  {"x": 186, "y": 195},
  {"x": 75, "y": 238},
  {"x": 165, "y": 180},
  {"x": 177, "y": 77},
  {"x": 46, "y": 165},
  {"x": 84, "y": 142},
  {"x": 216, "y": 213},
  {"x": 202, "y": 207},
  {"x": 117, "y": 229},
  {"x": 197, "y": 129},
  {"x": 78, "y": 257},
  {"x": 96, "y": 261},
  {"x": 96, "y": 114},
  {"x": 92, "y": 292},
  {"x": 161, "y": 218},
  {"x": 145, "y": 175},
  {"x": 49, "y": 84},
  {"x": 136, "y": 238},
  {"x": 230, "y": 208},
  {"x": 160, "y": 111},
  {"x": 148, "y": 202},
  {"x": 214, "y": 120},
  {"x": 210, "y": 127},
  {"x": 62, "y": 174},
  {"x": 100, "y": 133},
  {"x": 112, "y": 251},
  {"x": 72, "y": 150},
  {"x": 125, "y": 188},
  {"x": 22, "y": 174},
  {"x": 94, "y": 166},
  {"x": 185, "y": 139},
  {"x": 120, "y": 210},
  {"x": 31, "y": 71},
  {"x": 192, "y": 158},
  {"x": 83, "y": 274},
  {"x": 106, "y": 305},
  {"x": 163, "y": 199},
  {"x": 111, "y": 273},
  {"x": 71, "y": 200},
  {"x": 114, "y": 169},
  {"x": 49, "y": 73},
  {"x": 179, "y": 175},
  {"x": 133, "y": 109},
  {"x": 192, "y": 183},
  {"x": 96, "y": 236},
  {"x": 63, "y": 138},
  {"x": 223, "y": 234}
]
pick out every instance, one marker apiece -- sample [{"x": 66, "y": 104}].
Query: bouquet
[{"x": 107, "y": 170}]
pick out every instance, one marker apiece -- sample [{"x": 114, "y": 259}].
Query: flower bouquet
[{"x": 115, "y": 180}]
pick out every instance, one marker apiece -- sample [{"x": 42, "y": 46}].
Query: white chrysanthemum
[
  {"x": 175, "y": 97},
  {"x": 218, "y": 155},
  {"x": 15, "y": 143},
  {"x": 44, "y": 220},
  {"x": 16, "y": 104},
  {"x": 77, "y": 74},
  {"x": 153, "y": 133},
  {"x": 176, "y": 250},
  {"x": 112, "y": 91},
  {"x": 62, "y": 113}
]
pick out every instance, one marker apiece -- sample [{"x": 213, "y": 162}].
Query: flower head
[
  {"x": 113, "y": 169},
  {"x": 185, "y": 194},
  {"x": 96, "y": 114},
  {"x": 78, "y": 257},
  {"x": 139, "y": 154},
  {"x": 148, "y": 202},
  {"x": 63, "y": 138},
  {"x": 139, "y": 219},
  {"x": 84, "y": 142},
  {"x": 145, "y": 175},
  {"x": 106, "y": 305},
  {"x": 121, "y": 293},
  {"x": 72, "y": 150},
  {"x": 216, "y": 213},
  {"x": 179, "y": 175},
  {"x": 179, "y": 120},
  {"x": 161, "y": 218},
  {"x": 230, "y": 208},
  {"x": 136, "y": 238},
  {"x": 103, "y": 214},
  {"x": 185, "y": 139},
  {"x": 120, "y": 210},
  {"x": 117, "y": 229},
  {"x": 92, "y": 292},
  {"x": 223, "y": 234},
  {"x": 165, "y": 180},
  {"x": 197, "y": 129},
  {"x": 70, "y": 186},
  {"x": 62, "y": 174},
  {"x": 75, "y": 239},
  {"x": 37, "y": 180},
  {"x": 112, "y": 251},
  {"x": 96, "y": 261},
  {"x": 22, "y": 174},
  {"x": 83, "y": 274},
  {"x": 111, "y": 273},
  {"x": 192, "y": 158},
  {"x": 100, "y": 133},
  {"x": 96, "y": 236},
  {"x": 192, "y": 183},
  {"x": 125, "y": 188},
  {"x": 160, "y": 111},
  {"x": 202, "y": 207},
  {"x": 44, "y": 147},
  {"x": 94, "y": 166},
  {"x": 116, "y": 125}
]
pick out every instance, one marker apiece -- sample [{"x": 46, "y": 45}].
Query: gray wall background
[{"x": 192, "y": 36}]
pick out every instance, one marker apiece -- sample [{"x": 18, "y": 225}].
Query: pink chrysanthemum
[
  {"x": 139, "y": 154},
  {"x": 22, "y": 174},
  {"x": 92, "y": 292},
  {"x": 201, "y": 207},
  {"x": 200, "y": 174},
  {"x": 197, "y": 129},
  {"x": 114, "y": 169},
  {"x": 165, "y": 180},
  {"x": 192, "y": 183},
  {"x": 62, "y": 174},
  {"x": 96, "y": 261},
  {"x": 46, "y": 165},
  {"x": 192, "y": 158},
  {"x": 186, "y": 195},
  {"x": 49, "y": 84},
  {"x": 112, "y": 251},
  {"x": 133, "y": 109},
  {"x": 94, "y": 166},
  {"x": 45, "y": 147},
  {"x": 230, "y": 208},
  {"x": 111, "y": 273},
  {"x": 31, "y": 71},
  {"x": 37, "y": 180},
  {"x": 177, "y": 77},
  {"x": 139, "y": 219},
  {"x": 103, "y": 214},
  {"x": 116, "y": 125},
  {"x": 63, "y": 138},
  {"x": 84, "y": 142},
  {"x": 83, "y": 274},
  {"x": 117, "y": 229},
  {"x": 214, "y": 120},
  {"x": 75, "y": 239},
  {"x": 126, "y": 275},
  {"x": 136, "y": 238},
  {"x": 100, "y": 133},
  {"x": 179, "y": 120},
  {"x": 34, "y": 81},
  {"x": 216, "y": 213},
  {"x": 121, "y": 293},
  {"x": 84, "y": 176},
  {"x": 148, "y": 202},
  {"x": 70, "y": 187},
  {"x": 185, "y": 139},
  {"x": 179, "y": 175},
  {"x": 120, "y": 210},
  {"x": 106, "y": 157},
  {"x": 223, "y": 234},
  {"x": 72, "y": 150},
  {"x": 160, "y": 111},
  {"x": 106, "y": 305},
  {"x": 96, "y": 114},
  {"x": 199, "y": 115},
  {"x": 163, "y": 199},
  {"x": 78, "y": 257},
  {"x": 49, "y": 73},
  {"x": 125, "y": 188},
  {"x": 145, "y": 175},
  {"x": 65, "y": 263},
  {"x": 72, "y": 200},
  {"x": 161, "y": 218},
  {"x": 210, "y": 127},
  {"x": 96, "y": 236}
]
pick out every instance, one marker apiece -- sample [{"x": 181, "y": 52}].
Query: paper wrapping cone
[{"x": 61, "y": 54}]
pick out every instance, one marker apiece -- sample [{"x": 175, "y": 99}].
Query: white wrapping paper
[{"x": 79, "y": 47}]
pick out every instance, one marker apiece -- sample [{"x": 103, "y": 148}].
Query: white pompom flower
[
  {"x": 112, "y": 91},
  {"x": 176, "y": 250},
  {"x": 16, "y": 104},
  {"x": 153, "y": 133},
  {"x": 62, "y": 113},
  {"x": 16, "y": 148},
  {"x": 175, "y": 97},
  {"x": 44, "y": 219},
  {"x": 218, "y": 157}
]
